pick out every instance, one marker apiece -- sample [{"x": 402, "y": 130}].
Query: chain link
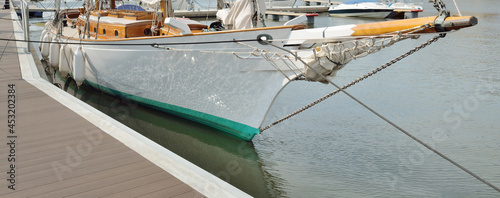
[
  {"x": 439, "y": 5},
  {"x": 423, "y": 45}
]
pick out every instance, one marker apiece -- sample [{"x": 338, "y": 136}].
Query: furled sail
[{"x": 329, "y": 58}]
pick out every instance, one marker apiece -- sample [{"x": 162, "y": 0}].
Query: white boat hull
[
  {"x": 224, "y": 79},
  {"x": 209, "y": 84}
]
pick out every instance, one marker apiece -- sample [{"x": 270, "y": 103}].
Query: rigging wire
[
  {"x": 456, "y": 6},
  {"x": 398, "y": 33},
  {"x": 208, "y": 9},
  {"x": 131, "y": 44},
  {"x": 392, "y": 123}
]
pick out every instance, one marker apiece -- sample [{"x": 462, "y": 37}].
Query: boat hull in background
[
  {"x": 367, "y": 8},
  {"x": 367, "y": 13}
]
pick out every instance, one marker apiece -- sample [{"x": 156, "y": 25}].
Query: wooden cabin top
[{"x": 123, "y": 24}]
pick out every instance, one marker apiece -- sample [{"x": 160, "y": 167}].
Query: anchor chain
[
  {"x": 443, "y": 14},
  {"x": 423, "y": 45}
]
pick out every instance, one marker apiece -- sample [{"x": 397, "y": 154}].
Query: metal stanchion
[{"x": 25, "y": 19}]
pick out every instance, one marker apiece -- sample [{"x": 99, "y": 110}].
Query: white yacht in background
[
  {"x": 361, "y": 8},
  {"x": 405, "y": 5},
  {"x": 280, "y": 3},
  {"x": 401, "y": 7}
]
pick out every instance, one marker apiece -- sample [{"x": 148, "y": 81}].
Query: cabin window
[
  {"x": 104, "y": 31},
  {"x": 116, "y": 33},
  {"x": 147, "y": 31}
]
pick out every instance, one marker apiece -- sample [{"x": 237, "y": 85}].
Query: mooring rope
[{"x": 387, "y": 120}]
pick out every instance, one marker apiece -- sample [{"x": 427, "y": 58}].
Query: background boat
[
  {"x": 361, "y": 8},
  {"x": 402, "y": 7}
]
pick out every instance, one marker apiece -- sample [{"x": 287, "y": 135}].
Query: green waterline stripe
[{"x": 230, "y": 127}]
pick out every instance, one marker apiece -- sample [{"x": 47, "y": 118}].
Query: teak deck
[{"x": 60, "y": 154}]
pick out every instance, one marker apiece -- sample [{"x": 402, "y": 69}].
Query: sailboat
[{"x": 225, "y": 75}]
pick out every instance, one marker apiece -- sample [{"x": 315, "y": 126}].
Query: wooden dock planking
[
  {"x": 82, "y": 177},
  {"x": 48, "y": 132},
  {"x": 294, "y": 14},
  {"x": 44, "y": 173},
  {"x": 89, "y": 186},
  {"x": 276, "y": 15},
  {"x": 153, "y": 187},
  {"x": 300, "y": 9},
  {"x": 118, "y": 188},
  {"x": 32, "y": 169},
  {"x": 179, "y": 191}
]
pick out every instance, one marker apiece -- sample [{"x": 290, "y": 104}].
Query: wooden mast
[
  {"x": 166, "y": 8},
  {"x": 97, "y": 4},
  {"x": 112, "y": 4}
]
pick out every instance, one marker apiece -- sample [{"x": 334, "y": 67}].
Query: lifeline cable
[
  {"x": 393, "y": 124},
  {"x": 354, "y": 82},
  {"x": 151, "y": 44},
  {"x": 5, "y": 48}
]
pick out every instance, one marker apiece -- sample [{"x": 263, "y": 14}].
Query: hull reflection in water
[{"x": 232, "y": 160}]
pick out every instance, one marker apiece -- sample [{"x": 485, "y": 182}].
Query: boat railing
[{"x": 25, "y": 19}]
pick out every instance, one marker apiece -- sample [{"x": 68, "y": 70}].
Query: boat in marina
[
  {"x": 404, "y": 6},
  {"x": 225, "y": 75},
  {"x": 361, "y": 8},
  {"x": 280, "y": 3}
]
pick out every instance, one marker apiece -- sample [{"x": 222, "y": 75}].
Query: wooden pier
[
  {"x": 276, "y": 15},
  {"x": 212, "y": 13},
  {"x": 319, "y": 2},
  {"x": 54, "y": 145},
  {"x": 195, "y": 14},
  {"x": 300, "y": 9}
]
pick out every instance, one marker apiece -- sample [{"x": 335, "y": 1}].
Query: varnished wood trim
[
  {"x": 194, "y": 34},
  {"x": 373, "y": 29}
]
